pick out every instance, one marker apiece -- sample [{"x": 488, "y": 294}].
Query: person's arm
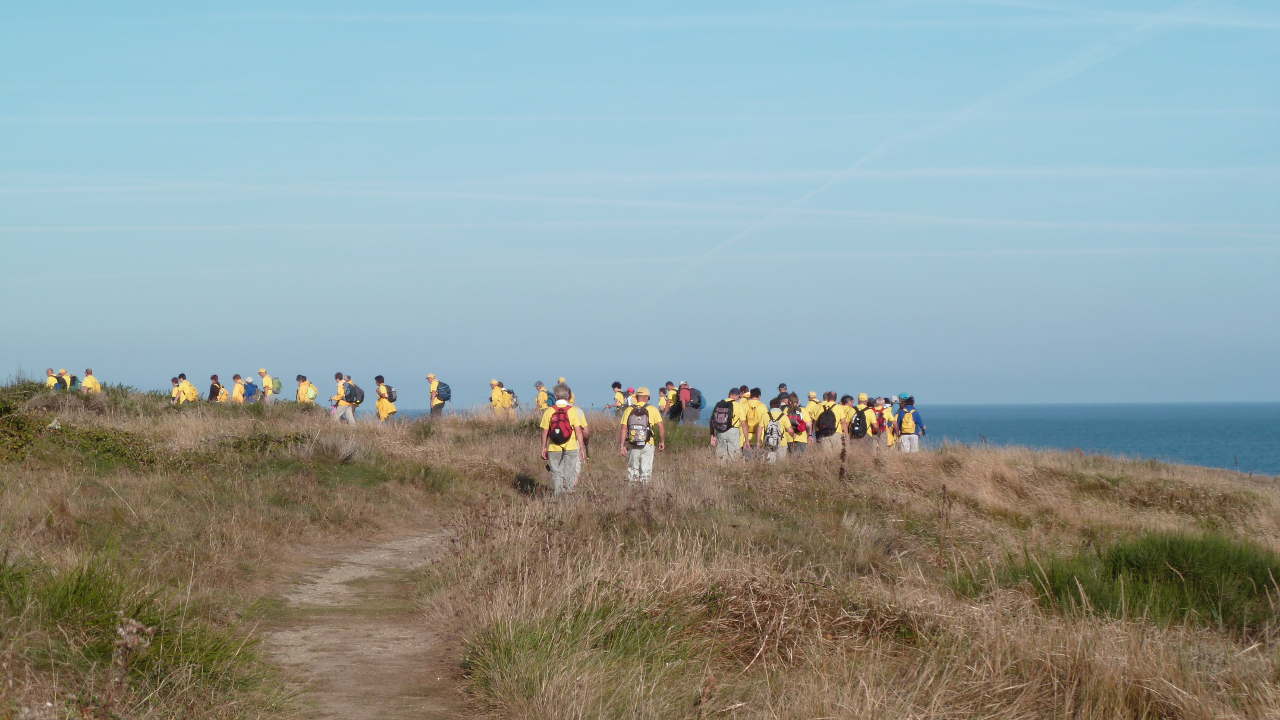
[
  {"x": 919, "y": 424},
  {"x": 662, "y": 435},
  {"x": 622, "y": 432},
  {"x": 546, "y": 440}
]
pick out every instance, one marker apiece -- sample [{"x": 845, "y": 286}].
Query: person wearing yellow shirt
[
  {"x": 757, "y": 413},
  {"x": 90, "y": 383},
  {"x": 498, "y": 399},
  {"x": 636, "y": 438},
  {"x": 541, "y": 398},
  {"x": 433, "y": 387},
  {"x": 886, "y": 435},
  {"x": 775, "y": 438},
  {"x": 867, "y": 427},
  {"x": 268, "y": 392},
  {"x": 50, "y": 379},
  {"x": 573, "y": 399},
  {"x": 565, "y": 439},
  {"x": 798, "y": 435},
  {"x": 343, "y": 411},
  {"x": 188, "y": 391},
  {"x": 728, "y": 425},
  {"x": 384, "y": 405},
  {"x": 619, "y": 404},
  {"x": 217, "y": 393},
  {"x": 826, "y": 425},
  {"x": 237, "y": 389},
  {"x": 307, "y": 391}
]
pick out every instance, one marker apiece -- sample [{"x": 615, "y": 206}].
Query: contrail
[{"x": 1072, "y": 66}]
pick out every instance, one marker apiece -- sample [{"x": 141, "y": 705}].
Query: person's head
[
  {"x": 812, "y": 396},
  {"x": 905, "y": 399},
  {"x": 494, "y": 383},
  {"x": 236, "y": 378},
  {"x": 431, "y": 376},
  {"x": 631, "y": 391},
  {"x": 642, "y": 395},
  {"x": 63, "y": 371},
  {"x": 616, "y": 385},
  {"x": 302, "y": 378},
  {"x": 757, "y": 392},
  {"x": 561, "y": 381},
  {"x": 504, "y": 387},
  {"x": 48, "y": 372},
  {"x": 336, "y": 376},
  {"x": 262, "y": 372},
  {"x": 561, "y": 392},
  {"x": 879, "y": 402},
  {"x": 735, "y": 393},
  {"x": 213, "y": 378},
  {"x": 346, "y": 377},
  {"x": 181, "y": 376},
  {"x": 846, "y": 400},
  {"x": 829, "y": 396},
  {"x": 173, "y": 381},
  {"x": 782, "y": 388},
  {"x": 862, "y": 398},
  {"x": 794, "y": 399},
  {"x": 744, "y": 391},
  {"x": 670, "y": 385},
  {"x": 88, "y": 372},
  {"x": 684, "y": 385},
  {"x": 538, "y": 385},
  {"x": 378, "y": 379}
]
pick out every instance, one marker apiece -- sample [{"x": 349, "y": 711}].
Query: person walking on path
[
  {"x": 217, "y": 392},
  {"x": 910, "y": 425},
  {"x": 691, "y": 398},
  {"x": 270, "y": 386},
  {"x": 636, "y": 438},
  {"x": 343, "y": 409},
  {"x": 307, "y": 391},
  {"x": 498, "y": 399},
  {"x": 775, "y": 438},
  {"x": 50, "y": 379},
  {"x": 90, "y": 382},
  {"x": 757, "y": 417},
  {"x": 565, "y": 438},
  {"x": 386, "y": 402},
  {"x": 827, "y": 428},
  {"x": 798, "y": 438},
  {"x": 728, "y": 423},
  {"x": 237, "y": 391},
  {"x": 439, "y": 394},
  {"x": 188, "y": 391},
  {"x": 782, "y": 397},
  {"x": 619, "y": 403},
  {"x": 542, "y": 398},
  {"x": 862, "y": 425}
]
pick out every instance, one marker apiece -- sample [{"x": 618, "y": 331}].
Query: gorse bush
[{"x": 1167, "y": 578}]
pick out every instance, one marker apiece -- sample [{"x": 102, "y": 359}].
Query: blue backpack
[
  {"x": 250, "y": 389},
  {"x": 443, "y": 392}
]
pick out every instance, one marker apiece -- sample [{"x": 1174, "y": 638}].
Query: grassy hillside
[{"x": 997, "y": 583}]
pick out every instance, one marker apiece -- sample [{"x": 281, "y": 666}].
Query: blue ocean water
[{"x": 1243, "y": 437}]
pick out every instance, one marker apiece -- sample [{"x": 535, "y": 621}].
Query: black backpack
[
  {"x": 443, "y": 392},
  {"x": 825, "y": 426},
  {"x": 638, "y": 427},
  {"x": 858, "y": 428},
  {"x": 695, "y": 398},
  {"x": 354, "y": 394},
  {"x": 722, "y": 416},
  {"x": 391, "y": 393}
]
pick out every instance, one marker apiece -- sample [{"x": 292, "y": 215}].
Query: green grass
[{"x": 1207, "y": 579}]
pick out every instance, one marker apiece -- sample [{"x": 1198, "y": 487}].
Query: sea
[{"x": 1244, "y": 437}]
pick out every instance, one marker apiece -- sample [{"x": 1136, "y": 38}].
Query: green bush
[{"x": 1207, "y": 579}]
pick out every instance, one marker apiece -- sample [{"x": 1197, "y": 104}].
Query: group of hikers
[{"x": 742, "y": 425}]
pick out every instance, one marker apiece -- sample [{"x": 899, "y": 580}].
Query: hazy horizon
[{"x": 979, "y": 201}]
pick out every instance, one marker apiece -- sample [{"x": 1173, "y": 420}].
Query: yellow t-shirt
[
  {"x": 432, "y": 388},
  {"x": 188, "y": 391},
  {"x": 544, "y": 399},
  {"x": 784, "y": 422},
  {"x": 499, "y": 398},
  {"x": 576, "y": 418},
  {"x": 51, "y": 381},
  {"x": 757, "y": 414},
  {"x": 619, "y": 399},
  {"x": 655, "y": 419},
  {"x": 237, "y": 395},
  {"x": 342, "y": 392},
  {"x": 815, "y": 409},
  {"x": 797, "y": 437},
  {"x": 90, "y": 384},
  {"x": 267, "y": 385}
]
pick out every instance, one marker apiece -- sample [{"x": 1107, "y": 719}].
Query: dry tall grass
[{"x": 749, "y": 591}]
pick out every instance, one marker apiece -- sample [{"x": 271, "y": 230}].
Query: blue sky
[{"x": 986, "y": 200}]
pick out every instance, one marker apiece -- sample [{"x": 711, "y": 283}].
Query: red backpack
[
  {"x": 560, "y": 430},
  {"x": 798, "y": 425}
]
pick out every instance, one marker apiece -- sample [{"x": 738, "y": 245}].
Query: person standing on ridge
[
  {"x": 217, "y": 393},
  {"x": 776, "y": 436},
  {"x": 619, "y": 403},
  {"x": 691, "y": 399},
  {"x": 781, "y": 398},
  {"x": 757, "y": 416},
  {"x": 798, "y": 438},
  {"x": 636, "y": 438},
  {"x": 910, "y": 425},
  {"x": 386, "y": 402},
  {"x": 728, "y": 423},
  {"x": 90, "y": 383},
  {"x": 342, "y": 409},
  {"x": 188, "y": 391},
  {"x": 498, "y": 399},
  {"x": 573, "y": 399},
  {"x": 50, "y": 379},
  {"x": 439, "y": 395},
  {"x": 307, "y": 391},
  {"x": 564, "y": 441},
  {"x": 542, "y": 398},
  {"x": 237, "y": 391},
  {"x": 827, "y": 426},
  {"x": 269, "y": 387}
]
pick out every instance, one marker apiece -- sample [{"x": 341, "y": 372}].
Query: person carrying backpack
[
  {"x": 542, "y": 397},
  {"x": 636, "y": 437},
  {"x": 798, "y": 440},
  {"x": 307, "y": 391},
  {"x": 386, "y": 402},
  {"x": 188, "y": 391},
  {"x": 910, "y": 425},
  {"x": 775, "y": 438},
  {"x": 440, "y": 394},
  {"x": 619, "y": 404},
  {"x": 826, "y": 426},
  {"x": 728, "y": 423},
  {"x": 886, "y": 430},
  {"x": 499, "y": 400},
  {"x": 217, "y": 393},
  {"x": 564, "y": 441},
  {"x": 90, "y": 384},
  {"x": 238, "y": 389},
  {"x": 50, "y": 379},
  {"x": 270, "y": 386},
  {"x": 862, "y": 424},
  {"x": 343, "y": 407}
]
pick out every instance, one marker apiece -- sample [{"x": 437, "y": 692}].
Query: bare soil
[{"x": 354, "y": 645}]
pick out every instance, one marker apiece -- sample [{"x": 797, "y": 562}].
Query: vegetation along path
[{"x": 352, "y": 640}]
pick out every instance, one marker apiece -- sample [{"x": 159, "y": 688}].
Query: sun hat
[{"x": 642, "y": 390}]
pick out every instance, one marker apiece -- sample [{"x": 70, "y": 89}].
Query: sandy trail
[{"x": 352, "y": 642}]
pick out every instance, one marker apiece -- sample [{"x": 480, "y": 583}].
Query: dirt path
[{"x": 354, "y": 645}]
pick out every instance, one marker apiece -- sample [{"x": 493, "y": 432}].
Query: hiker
[
  {"x": 782, "y": 397},
  {"x": 270, "y": 386},
  {"x": 66, "y": 380},
  {"x": 825, "y": 425},
  {"x": 90, "y": 383},
  {"x": 440, "y": 394},
  {"x": 343, "y": 408},
  {"x": 175, "y": 395},
  {"x": 50, "y": 379},
  {"x": 386, "y": 402},
  {"x": 542, "y": 398},
  {"x": 307, "y": 391},
  {"x": 564, "y": 440},
  {"x": 251, "y": 391},
  {"x": 675, "y": 408},
  {"x": 631, "y": 396},
  {"x": 861, "y": 424},
  {"x": 237, "y": 392},
  {"x": 573, "y": 399},
  {"x": 189, "y": 392},
  {"x": 501, "y": 400},
  {"x": 217, "y": 393},
  {"x": 728, "y": 418},
  {"x": 619, "y": 403},
  {"x": 886, "y": 433},
  {"x": 757, "y": 416},
  {"x": 798, "y": 439},
  {"x": 777, "y": 434},
  {"x": 635, "y": 438},
  {"x": 910, "y": 424},
  {"x": 691, "y": 398}
]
